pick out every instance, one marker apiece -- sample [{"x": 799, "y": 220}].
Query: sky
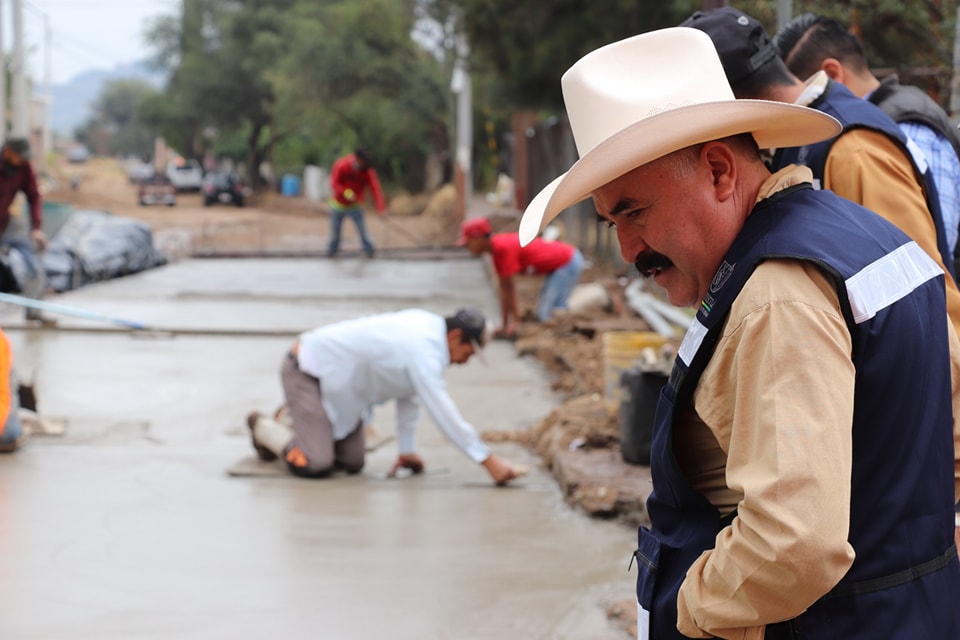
[{"x": 84, "y": 34}]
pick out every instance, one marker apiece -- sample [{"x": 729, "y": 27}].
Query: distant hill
[{"x": 72, "y": 100}]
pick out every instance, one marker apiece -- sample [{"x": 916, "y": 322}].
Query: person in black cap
[
  {"x": 17, "y": 175},
  {"x": 870, "y": 162},
  {"x": 334, "y": 375},
  {"x": 350, "y": 176}
]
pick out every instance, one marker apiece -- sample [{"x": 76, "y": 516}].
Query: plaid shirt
[{"x": 945, "y": 170}]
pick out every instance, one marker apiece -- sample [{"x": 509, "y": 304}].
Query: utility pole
[
  {"x": 20, "y": 124},
  {"x": 460, "y": 85},
  {"x": 47, "y": 87},
  {"x": 784, "y": 13}
]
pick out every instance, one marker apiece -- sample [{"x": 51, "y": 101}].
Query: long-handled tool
[
  {"x": 418, "y": 242},
  {"x": 62, "y": 309}
]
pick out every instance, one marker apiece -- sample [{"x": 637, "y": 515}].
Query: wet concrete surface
[{"x": 128, "y": 526}]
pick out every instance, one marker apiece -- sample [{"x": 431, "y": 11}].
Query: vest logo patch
[{"x": 723, "y": 274}]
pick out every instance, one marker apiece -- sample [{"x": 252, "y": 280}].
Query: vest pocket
[{"x": 647, "y": 556}]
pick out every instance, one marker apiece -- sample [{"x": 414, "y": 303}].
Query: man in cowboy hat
[
  {"x": 795, "y": 492},
  {"x": 871, "y": 162}
]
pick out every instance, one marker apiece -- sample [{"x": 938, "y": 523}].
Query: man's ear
[
  {"x": 723, "y": 168},
  {"x": 834, "y": 69}
]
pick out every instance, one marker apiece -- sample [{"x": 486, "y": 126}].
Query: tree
[
  {"x": 220, "y": 54},
  {"x": 308, "y": 77},
  {"x": 366, "y": 81},
  {"x": 528, "y": 45},
  {"x": 115, "y": 126}
]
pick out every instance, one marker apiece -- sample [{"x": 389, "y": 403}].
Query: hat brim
[{"x": 773, "y": 125}]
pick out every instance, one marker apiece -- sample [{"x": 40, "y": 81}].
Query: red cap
[{"x": 475, "y": 228}]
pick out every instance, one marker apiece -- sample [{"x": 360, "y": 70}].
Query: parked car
[
  {"x": 157, "y": 189},
  {"x": 78, "y": 154},
  {"x": 226, "y": 187},
  {"x": 138, "y": 171},
  {"x": 186, "y": 175}
]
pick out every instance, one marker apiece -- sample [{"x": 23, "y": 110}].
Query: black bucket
[{"x": 640, "y": 391}]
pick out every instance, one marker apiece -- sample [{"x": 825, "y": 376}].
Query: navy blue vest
[
  {"x": 852, "y": 112},
  {"x": 905, "y": 581}
]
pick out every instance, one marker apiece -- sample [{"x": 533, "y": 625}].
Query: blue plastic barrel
[{"x": 290, "y": 185}]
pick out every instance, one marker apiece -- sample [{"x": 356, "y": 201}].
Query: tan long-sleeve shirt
[
  {"x": 865, "y": 166},
  {"x": 770, "y": 433}
]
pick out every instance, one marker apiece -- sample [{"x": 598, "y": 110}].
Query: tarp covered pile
[{"x": 92, "y": 246}]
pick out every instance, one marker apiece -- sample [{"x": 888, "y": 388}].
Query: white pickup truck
[{"x": 186, "y": 175}]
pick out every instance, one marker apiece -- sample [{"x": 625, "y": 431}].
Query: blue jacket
[
  {"x": 852, "y": 112},
  {"x": 905, "y": 579}
]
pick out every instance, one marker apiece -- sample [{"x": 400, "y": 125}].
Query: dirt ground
[{"x": 578, "y": 441}]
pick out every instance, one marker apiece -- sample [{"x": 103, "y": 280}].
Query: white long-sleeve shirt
[{"x": 398, "y": 356}]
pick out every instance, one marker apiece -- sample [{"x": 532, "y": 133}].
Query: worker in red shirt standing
[
  {"x": 349, "y": 176},
  {"x": 17, "y": 175},
  {"x": 562, "y": 264}
]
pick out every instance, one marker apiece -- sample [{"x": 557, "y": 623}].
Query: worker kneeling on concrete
[{"x": 334, "y": 375}]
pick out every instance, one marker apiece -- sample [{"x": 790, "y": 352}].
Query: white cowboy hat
[{"x": 642, "y": 98}]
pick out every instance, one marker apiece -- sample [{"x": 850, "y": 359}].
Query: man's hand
[
  {"x": 407, "y": 461},
  {"x": 508, "y": 332},
  {"x": 502, "y": 471},
  {"x": 39, "y": 239}
]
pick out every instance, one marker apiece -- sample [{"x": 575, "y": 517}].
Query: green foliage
[
  {"x": 303, "y": 81},
  {"x": 913, "y": 39},
  {"x": 116, "y": 126},
  {"x": 530, "y": 44},
  {"x": 367, "y": 82}
]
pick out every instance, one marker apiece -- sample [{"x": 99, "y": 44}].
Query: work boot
[
  {"x": 264, "y": 454},
  {"x": 9, "y": 446}
]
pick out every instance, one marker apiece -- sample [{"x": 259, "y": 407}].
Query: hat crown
[
  {"x": 621, "y": 84},
  {"x": 473, "y": 324}
]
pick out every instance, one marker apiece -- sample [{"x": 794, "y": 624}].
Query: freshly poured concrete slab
[{"x": 129, "y": 526}]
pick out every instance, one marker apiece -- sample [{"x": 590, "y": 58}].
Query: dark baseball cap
[
  {"x": 472, "y": 323},
  {"x": 363, "y": 155},
  {"x": 20, "y": 146},
  {"x": 742, "y": 42}
]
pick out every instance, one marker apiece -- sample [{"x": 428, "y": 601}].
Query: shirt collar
[
  {"x": 789, "y": 176},
  {"x": 813, "y": 88}
]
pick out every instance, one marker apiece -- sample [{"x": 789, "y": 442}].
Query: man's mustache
[{"x": 649, "y": 261}]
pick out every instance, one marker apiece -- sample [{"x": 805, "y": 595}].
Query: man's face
[
  {"x": 475, "y": 245},
  {"x": 460, "y": 351},
  {"x": 12, "y": 157},
  {"x": 669, "y": 223}
]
